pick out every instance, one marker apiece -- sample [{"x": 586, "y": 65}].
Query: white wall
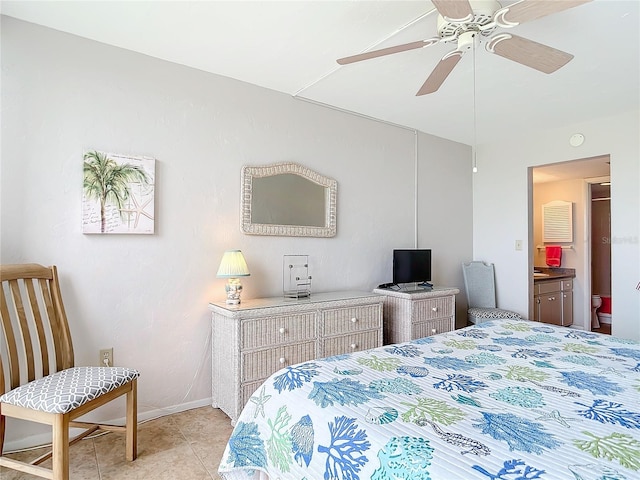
[
  {"x": 445, "y": 190},
  {"x": 500, "y": 213},
  {"x": 146, "y": 296}
]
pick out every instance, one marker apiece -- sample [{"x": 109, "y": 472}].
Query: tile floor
[
  {"x": 183, "y": 446},
  {"x": 604, "y": 328}
]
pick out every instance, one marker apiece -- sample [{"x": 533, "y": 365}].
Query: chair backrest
[
  {"x": 479, "y": 283},
  {"x": 35, "y": 339}
]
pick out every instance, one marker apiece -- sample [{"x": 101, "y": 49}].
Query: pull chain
[{"x": 475, "y": 136}]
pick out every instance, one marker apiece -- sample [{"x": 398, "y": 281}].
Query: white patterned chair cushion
[
  {"x": 68, "y": 389},
  {"x": 492, "y": 313}
]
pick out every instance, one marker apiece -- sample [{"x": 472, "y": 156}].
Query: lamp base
[{"x": 233, "y": 289}]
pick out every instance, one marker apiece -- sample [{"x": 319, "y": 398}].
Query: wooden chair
[
  {"x": 479, "y": 284},
  {"x": 38, "y": 380}
]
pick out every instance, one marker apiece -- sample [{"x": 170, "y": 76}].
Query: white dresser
[
  {"x": 411, "y": 315},
  {"x": 254, "y": 339}
]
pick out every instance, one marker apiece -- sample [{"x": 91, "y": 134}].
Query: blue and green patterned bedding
[{"x": 502, "y": 400}]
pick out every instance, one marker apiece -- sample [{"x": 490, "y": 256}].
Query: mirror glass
[{"x": 288, "y": 199}]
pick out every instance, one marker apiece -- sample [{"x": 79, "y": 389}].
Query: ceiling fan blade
[
  {"x": 528, "y": 10},
  {"x": 454, "y": 10},
  {"x": 527, "y": 52},
  {"x": 440, "y": 73},
  {"x": 388, "y": 51}
]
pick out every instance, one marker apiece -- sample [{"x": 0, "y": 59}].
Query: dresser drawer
[
  {"x": 432, "y": 327},
  {"x": 269, "y": 331},
  {"x": 260, "y": 364},
  {"x": 431, "y": 308},
  {"x": 353, "y": 342},
  {"x": 247, "y": 390},
  {"x": 353, "y": 319}
]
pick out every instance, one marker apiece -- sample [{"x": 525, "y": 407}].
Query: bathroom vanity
[{"x": 553, "y": 295}]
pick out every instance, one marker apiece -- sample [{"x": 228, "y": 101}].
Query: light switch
[{"x": 518, "y": 244}]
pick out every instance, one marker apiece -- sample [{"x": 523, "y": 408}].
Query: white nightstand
[{"x": 411, "y": 315}]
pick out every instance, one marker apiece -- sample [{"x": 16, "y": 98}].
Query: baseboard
[
  {"x": 164, "y": 411},
  {"x": 42, "y": 439}
]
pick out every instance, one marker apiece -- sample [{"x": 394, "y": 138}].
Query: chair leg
[
  {"x": 60, "y": 446},
  {"x": 132, "y": 422}
]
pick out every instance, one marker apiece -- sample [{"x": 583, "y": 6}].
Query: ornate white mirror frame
[{"x": 251, "y": 200}]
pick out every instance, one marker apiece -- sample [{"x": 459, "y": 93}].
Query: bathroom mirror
[{"x": 287, "y": 199}]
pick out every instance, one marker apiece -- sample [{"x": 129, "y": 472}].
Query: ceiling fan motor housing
[{"x": 483, "y": 11}]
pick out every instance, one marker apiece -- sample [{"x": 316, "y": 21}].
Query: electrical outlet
[
  {"x": 106, "y": 357},
  {"x": 518, "y": 244}
]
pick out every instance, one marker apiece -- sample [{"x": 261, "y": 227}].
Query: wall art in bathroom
[{"x": 117, "y": 193}]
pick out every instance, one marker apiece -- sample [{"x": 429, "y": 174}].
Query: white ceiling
[{"x": 292, "y": 47}]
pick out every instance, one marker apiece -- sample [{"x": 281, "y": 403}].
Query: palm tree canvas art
[{"x": 118, "y": 193}]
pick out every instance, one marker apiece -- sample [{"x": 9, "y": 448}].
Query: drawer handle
[
  {"x": 282, "y": 359},
  {"x": 354, "y": 346},
  {"x": 433, "y": 330},
  {"x": 434, "y": 309},
  {"x": 551, "y": 299},
  {"x": 282, "y": 330},
  {"x": 354, "y": 320}
]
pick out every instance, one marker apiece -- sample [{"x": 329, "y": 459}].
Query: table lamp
[{"x": 233, "y": 266}]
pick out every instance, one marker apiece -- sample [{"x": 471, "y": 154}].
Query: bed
[{"x": 504, "y": 399}]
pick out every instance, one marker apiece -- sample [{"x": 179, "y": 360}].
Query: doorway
[
  {"x": 569, "y": 181},
  {"x": 600, "y": 215}
]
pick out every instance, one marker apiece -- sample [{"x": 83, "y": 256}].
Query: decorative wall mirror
[{"x": 287, "y": 199}]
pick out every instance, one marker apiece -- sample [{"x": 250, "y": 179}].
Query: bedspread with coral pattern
[{"x": 502, "y": 400}]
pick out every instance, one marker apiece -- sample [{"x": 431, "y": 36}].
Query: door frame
[{"x": 587, "y": 234}]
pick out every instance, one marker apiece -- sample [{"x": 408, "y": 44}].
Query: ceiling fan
[{"x": 464, "y": 21}]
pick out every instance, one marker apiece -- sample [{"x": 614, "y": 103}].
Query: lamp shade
[{"x": 233, "y": 265}]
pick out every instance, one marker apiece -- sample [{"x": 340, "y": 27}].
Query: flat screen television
[{"x": 411, "y": 266}]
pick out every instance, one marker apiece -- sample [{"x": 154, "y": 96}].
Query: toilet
[
  {"x": 596, "y": 302},
  {"x": 604, "y": 312}
]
